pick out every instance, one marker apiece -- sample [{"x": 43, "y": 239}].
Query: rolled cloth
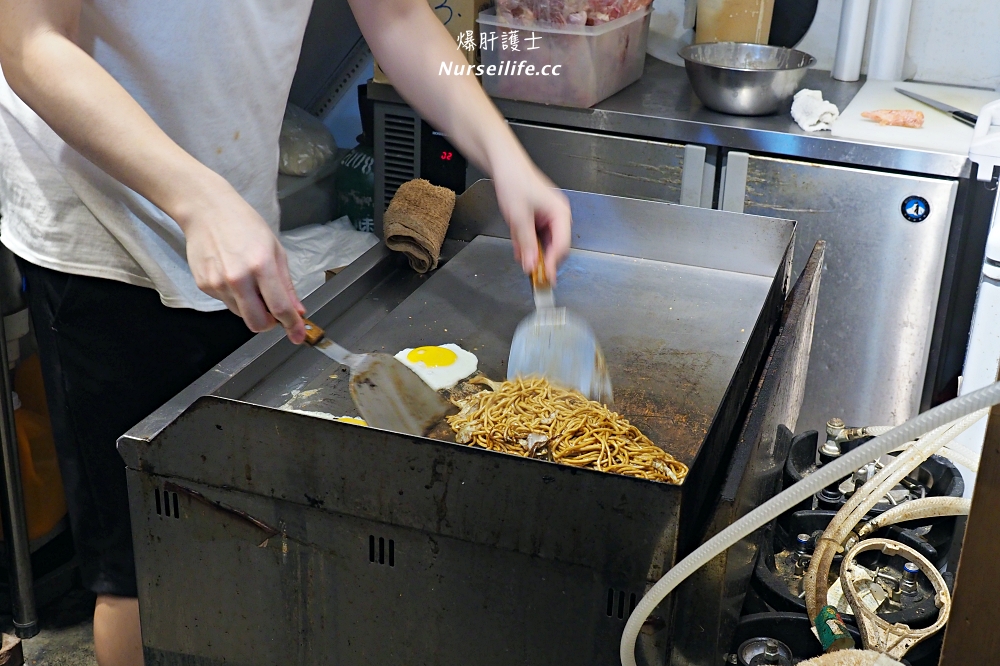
[
  {"x": 416, "y": 221},
  {"x": 852, "y": 658}
]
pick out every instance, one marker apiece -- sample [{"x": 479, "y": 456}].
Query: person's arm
[
  {"x": 232, "y": 252},
  {"x": 410, "y": 44}
]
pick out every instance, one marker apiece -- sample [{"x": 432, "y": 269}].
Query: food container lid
[{"x": 489, "y": 17}]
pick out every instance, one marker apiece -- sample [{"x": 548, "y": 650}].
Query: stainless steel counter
[
  {"x": 655, "y": 140},
  {"x": 662, "y": 105}
]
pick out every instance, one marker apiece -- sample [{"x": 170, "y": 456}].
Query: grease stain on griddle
[
  {"x": 659, "y": 389},
  {"x": 314, "y": 502}
]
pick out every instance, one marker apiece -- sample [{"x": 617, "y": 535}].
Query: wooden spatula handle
[
  {"x": 313, "y": 332},
  {"x": 539, "y": 280}
]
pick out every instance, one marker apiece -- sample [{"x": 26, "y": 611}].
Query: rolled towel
[
  {"x": 417, "y": 220},
  {"x": 811, "y": 112}
]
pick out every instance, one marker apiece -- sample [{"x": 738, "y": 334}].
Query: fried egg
[{"x": 441, "y": 366}]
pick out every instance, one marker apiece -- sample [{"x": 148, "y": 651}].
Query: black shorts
[{"x": 111, "y": 354}]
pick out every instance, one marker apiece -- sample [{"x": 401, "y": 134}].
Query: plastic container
[
  {"x": 558, "y": 12},
  {"x": 569, "y": 65},
  {"x": 744, "y": 21}
]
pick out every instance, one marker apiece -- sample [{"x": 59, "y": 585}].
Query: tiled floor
[{"x": 67, "y": 633}]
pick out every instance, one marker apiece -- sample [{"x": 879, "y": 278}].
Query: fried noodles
[{"x": 530, "y": 417}]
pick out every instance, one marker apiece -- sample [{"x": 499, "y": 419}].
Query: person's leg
[
  {"x": 111, "y": 354},
  {"x": 117, "y": 638}
]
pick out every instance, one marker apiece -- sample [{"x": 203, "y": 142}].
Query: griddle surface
[{"x": 672, "y": 334}]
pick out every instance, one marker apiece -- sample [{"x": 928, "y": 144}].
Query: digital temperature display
[{"x": 440, "y": 163}]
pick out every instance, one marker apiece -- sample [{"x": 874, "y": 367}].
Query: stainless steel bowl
[{"x": 745, "y": 79}]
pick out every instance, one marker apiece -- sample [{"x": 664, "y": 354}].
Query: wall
[
  {"x": 951, "y": 41},
  {"x": 344, "y": 120},
  {"x": 956, "y": 41},
  {"x": 821, "y": 40}
]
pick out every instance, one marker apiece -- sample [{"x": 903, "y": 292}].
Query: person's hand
[
  {"x": 535, "y": 210},
  {"x": 236, "y": 258},
  {"x": 412, "y": 46}
]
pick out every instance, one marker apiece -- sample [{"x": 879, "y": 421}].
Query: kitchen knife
[
  {"x": 956, "y": 113},
  {"x": 388, "y": 394}
]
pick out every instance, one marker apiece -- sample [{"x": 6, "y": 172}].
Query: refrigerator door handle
[
  {"x": 734, "y": 181},
  {"x": 693, "y": 176}
]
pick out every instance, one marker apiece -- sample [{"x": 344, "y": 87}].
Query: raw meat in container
[{"x": 567, "y": 12}]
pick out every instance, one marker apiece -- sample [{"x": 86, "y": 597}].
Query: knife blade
[{"x": 956, "y": 113}]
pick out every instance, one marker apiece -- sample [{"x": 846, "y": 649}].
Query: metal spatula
[
  {"x": 558, "y": 345},
  {"x": 388, "y": 394}
]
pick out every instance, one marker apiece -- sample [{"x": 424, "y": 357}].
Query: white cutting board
[{"x": 940, "y": 133}]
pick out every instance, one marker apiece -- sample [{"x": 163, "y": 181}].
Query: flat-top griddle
[
  {"x": 264, "y": 536},
  {"x": 673, "y": 334}
]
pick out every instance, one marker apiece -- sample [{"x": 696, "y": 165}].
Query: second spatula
[{"x": 558, "y": 345}]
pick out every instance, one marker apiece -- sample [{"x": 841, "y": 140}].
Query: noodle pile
[{"x": 530, "y": 417}]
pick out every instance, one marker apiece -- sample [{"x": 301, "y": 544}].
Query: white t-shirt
[{"x": 214, "y": 75}]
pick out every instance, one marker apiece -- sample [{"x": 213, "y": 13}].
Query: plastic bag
[
  {"x": 305, "y": 144},
  {"x": 572, "y": 12},
  {"x": 671, "y": 28},
  {"x": 316, "y": 248}
]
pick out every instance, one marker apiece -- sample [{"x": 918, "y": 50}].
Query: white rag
[
  {"x": 852, "y": 658},
  {"x": 811, "y": 112},
  {"x": 315, "y": 248}
]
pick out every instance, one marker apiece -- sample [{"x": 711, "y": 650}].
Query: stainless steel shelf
[{"x": 662, "y": 105}]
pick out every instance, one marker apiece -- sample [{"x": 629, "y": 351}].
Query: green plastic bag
[{"x": 356, "y": 187}]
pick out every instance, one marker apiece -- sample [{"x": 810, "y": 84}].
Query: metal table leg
[{"x": 15, "y": 523}]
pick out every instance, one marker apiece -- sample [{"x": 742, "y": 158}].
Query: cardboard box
[
  {"x": 331, "y": 272},
  {"x": 458, "y": 16}
]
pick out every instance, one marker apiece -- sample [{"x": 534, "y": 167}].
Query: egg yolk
[
  {"x": 352, "y": 419},
  {"x": 432, "y": 357}
]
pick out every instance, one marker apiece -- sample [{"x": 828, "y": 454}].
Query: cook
[{"x": 138, "y": 164}]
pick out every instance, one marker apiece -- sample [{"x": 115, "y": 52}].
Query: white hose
[
  {"x": 928, "y": 507},
  {"x": 960, "y": 458},
  {"x": 816, "y": 579},
  {"x": 787, "y": 499},
  {"x": 957, "y": 456},
  {"x": 913, "y": 455}
]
